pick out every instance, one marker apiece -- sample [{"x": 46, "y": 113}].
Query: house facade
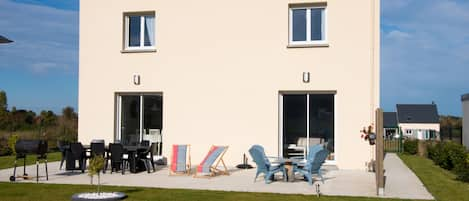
[
  {"x": 465, "y": 120},
  {"x": 282, "y": 74},
  {"x": 418, "y": 121}
]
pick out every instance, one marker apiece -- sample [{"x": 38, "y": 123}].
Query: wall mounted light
[
  {"x": 136, "y": 79},
  {"x": 306, "y": 77}
]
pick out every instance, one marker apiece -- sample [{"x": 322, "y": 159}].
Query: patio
[{"x": 337, "y": 182}]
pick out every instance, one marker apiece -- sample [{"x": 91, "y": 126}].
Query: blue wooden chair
[
  {"x": 313, "y": 149},
  {"x": 264, "y": 166},
  {"x": 313, "y": 166}
]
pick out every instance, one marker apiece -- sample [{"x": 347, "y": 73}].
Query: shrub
[
  {"x": 448, "y": 155},
  {"x": 410, "y": 147},
  {"x": 457, "y": 155},
  {"x": 432, "y": 149},
  {"x": 12, "y": 142},
  {"x": 463, "y": 174},
  {"x": 5, "y": 151}
]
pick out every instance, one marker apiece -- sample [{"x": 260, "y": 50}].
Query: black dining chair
[
  {"x": 146, "y": 157},
  {"x": 62, "y": 146},
  {"x": 119, "y": 161},
  {"x": 98, "y": 149},
  {"x": 78, "y": 154}
]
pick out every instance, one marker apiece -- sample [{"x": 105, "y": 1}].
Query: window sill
[
  {"x": 137, "y": 50},
  {"x": 308, "y": 45}
]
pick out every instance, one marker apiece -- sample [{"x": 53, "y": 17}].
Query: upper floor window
[
  {"x": 139, "y": 31},
  {"x": 308, "y": 25}
]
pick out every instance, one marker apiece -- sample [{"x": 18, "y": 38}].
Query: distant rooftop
[
  {"x": 417, "y": 113},
  {"x": 390, "y": 120}
]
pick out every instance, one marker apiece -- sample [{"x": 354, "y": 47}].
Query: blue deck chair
[
  {"x": 264, "y": 166},
  {"x": 313, "y": 149},
  {"x": 275, "y": 161},
  {"x": 313, "y": 166}
]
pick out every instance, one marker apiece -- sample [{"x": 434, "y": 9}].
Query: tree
[
  {"x": 68, "y": 113},
  {"x": 4, "y": 119},
  {"x": 3, "y": 101},
  {"x": 47, "y": 118}
]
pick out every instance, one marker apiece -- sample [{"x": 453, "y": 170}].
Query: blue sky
[{"x": 424, "y": 53}]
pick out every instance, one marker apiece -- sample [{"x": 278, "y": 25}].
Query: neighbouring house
[
  {"x": 390, "y": 125},
  {"x": 465, "y": 120},
  {"x": 418, "y": 121},
  {"x": 283, "y": 74}
]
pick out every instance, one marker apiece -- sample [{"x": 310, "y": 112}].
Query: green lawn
[
  {"x": 439, "y": 182},
  {"x": 9, "y": 161},
  {"x": 52, "y": 192}
]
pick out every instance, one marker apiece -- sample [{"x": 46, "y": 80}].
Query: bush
[
  {"x": 448, "y": 155},
  {"x": 411, "y": 147},
  {"x": 5, "y": 151},
  {"x": 463, "y": 174},
  {"x": 12, "y": 143}
]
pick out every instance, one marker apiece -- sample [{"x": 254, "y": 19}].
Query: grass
[
  {"x": 440, "y": 182},
  {"x": 9, "y": 161},
  {"x": 50, "y": 192}
]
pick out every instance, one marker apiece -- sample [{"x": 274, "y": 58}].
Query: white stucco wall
[{"x": 221, "y": 66}]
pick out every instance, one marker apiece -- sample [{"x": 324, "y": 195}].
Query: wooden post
[{"x": 379, "y": 162}]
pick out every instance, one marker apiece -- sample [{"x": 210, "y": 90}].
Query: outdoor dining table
[{"x": 133, "y": 153}]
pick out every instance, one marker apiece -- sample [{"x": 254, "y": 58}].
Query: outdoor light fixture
[
  {"x": 136, "y": 79},
  {"x": 306, "y": 77}
]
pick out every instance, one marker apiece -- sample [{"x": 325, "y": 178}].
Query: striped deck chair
[
  {"x": 209, "y": 166},
  {"x": 180, "y": 160}
]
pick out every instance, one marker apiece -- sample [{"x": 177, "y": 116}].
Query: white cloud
[
  {"x": 45, "y": 38},
  {"x": 398, "y": 35}
]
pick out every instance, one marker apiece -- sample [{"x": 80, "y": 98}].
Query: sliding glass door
[
  {"x": 139, "y": 118},
  {"x": 307, "y": 119},
  {"x": 130, "y": 119}
]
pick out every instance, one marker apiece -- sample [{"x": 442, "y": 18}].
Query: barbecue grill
[{"x": 30, "y": 147}]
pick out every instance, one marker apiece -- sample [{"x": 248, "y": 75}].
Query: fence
[
  {"x": 451, "y": 134},
  {"x": 394, "y": 141}
]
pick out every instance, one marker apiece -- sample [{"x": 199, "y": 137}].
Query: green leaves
[{"x": 96, "y": 165}]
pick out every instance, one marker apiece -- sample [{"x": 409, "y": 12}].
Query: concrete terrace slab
[
  {"x": 337, "y": 182},
  {"x": 401, "y": 181}
]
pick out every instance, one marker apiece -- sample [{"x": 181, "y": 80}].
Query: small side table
[{"x": 289, "y": 168}]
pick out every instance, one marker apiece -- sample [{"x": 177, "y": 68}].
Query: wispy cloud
[
  {"x": 46, "y": 38},
  {"x": 425, "y": 47}
]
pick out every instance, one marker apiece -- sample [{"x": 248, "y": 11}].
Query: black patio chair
[
  {"x": 146, "y": 157},
  {"x": 118, "y": 159},
  {"x": 77, "y": 153},
  {"x": 98, "y": 149},
  {"x": 62, "y": 146}
]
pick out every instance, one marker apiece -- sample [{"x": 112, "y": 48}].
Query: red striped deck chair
[
  {"x": 210, "y": 165},
  {"x": 180, "y": 160}
]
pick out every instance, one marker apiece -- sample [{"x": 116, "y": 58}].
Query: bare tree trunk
[{"x": 99, "y": 183}]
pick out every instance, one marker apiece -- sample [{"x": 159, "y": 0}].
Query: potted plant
[
  {"x": 94, "y": 168},
  {"x": 368, "y": 135}
]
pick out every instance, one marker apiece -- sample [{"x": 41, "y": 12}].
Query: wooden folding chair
[
  {"x": 180, "y": 160},
  {"x": 209, "y": 166}
]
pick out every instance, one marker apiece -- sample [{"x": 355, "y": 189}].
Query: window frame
[
  {"x": 308, "y": 41},
  {"x": 141, "y": 47}
]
